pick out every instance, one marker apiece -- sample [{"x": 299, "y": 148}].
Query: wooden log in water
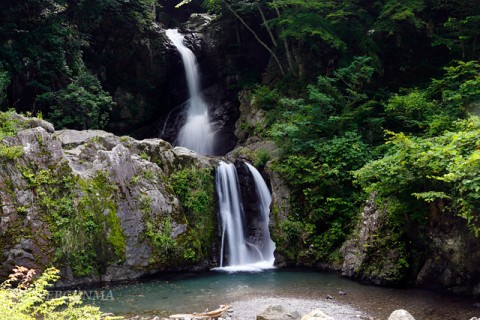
[{"x": 204, "y": 315}]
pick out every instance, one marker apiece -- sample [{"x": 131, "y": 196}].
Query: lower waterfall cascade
[{"x": 244, "y": 253}]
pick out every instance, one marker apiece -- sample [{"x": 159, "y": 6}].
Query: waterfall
[
  {"x": 196, "y": 134},
  {"x": 265, "y": 198},
  {"x": 243, "y": 255}
]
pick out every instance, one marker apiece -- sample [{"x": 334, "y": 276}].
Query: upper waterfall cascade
[
  {"x": 196, "y": 134},
  {"x": 243, "y": 254}
]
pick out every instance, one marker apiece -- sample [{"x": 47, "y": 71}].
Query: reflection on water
[{"x": 190, "y": 293}]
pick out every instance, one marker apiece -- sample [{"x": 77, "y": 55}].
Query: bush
[
  {"x": 83, "y": 104},
  {"x": 22, "y": 299}
]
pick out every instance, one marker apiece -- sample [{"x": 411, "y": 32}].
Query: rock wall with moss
[{"x": 101, "y": 207}]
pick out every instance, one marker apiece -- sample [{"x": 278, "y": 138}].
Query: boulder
[
  {"x": 278, "y": 312},
  {"x": 401, "y": 314},
  {"x": 98, "y": 206}
]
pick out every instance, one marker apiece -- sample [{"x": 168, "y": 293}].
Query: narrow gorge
[{"x": 243, "y": 138}]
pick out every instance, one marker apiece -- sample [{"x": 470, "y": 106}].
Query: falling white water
[
  {"x": 264, "y": 198},
  {"x": 243, "y": 256},
  {"x": 196, "y": 134}
]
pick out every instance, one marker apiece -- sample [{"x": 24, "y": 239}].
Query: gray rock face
[
  {"x": 278, "y": 312},
  {"x": 130, "y": 179},
  {"x": 448, "y": 256},
  {"x": 20, "y": 215},
  {"x": 451, "y": 257},
  {"x": 401, "y": 315},
  {"x": 198, "y": 22},
  {"x": 373, "y": 252},
  {"x": 353, "y": 251}
]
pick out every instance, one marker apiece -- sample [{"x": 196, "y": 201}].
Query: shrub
[{"x": 22, "y": 299}]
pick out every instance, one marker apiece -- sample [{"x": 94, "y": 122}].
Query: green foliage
[
  {"x": 441, "y": 169},
  {"x": 459, "y": 29},
  {"x": 322, "y": 188},
  {"x": 195, "y": 190},
  {"x": 459, "y": 88},
  {"x": 161, "y": 239},
  {"x": 434, "y": 109},
  {"x": 4, "y": 82},
  {"x": 262, "y": 156},
  {"x": 9, "y": 124},
  {"x": 331, "y": 108},
  {"x": 93, "y": 236},
  {"x": 10, "y": 153},
  {"x": 322, "y": 145},
  {"x": 47, "y": 45},
  {"x": 265, "y": 97},
  {"x": 395, "y": 15},
  {"x": 86, "y": 231},
  {"x": 29, "y": 301},
  {"x": 309, "y": 25},
  {"x": 194, "y": 187},
  {"x": 324, "y": 139},
  {"x": 292, "y": 237},
  {"x": 83, "y": 104}
]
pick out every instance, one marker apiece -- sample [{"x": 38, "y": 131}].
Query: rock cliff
[
  {"x": 444, "y": 257},
  {"x": 102, "y": 207}
]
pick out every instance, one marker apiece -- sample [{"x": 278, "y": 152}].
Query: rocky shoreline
[{"x": 282, "y": 308}]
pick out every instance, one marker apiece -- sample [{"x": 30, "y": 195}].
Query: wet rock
[
  {"x": 250, "y": 203},
  {"x": 223, "y": 114},
  {"x": 400, "y": 315},
  {"x": 198, "y": 22},
  {"x": 278, "y": 312},
  {"x": 317, "y": 315}
]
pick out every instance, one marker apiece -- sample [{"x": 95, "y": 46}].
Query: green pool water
[{"x": 187, "y": 293}]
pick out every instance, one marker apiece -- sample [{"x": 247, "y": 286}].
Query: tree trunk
[
  {"x": 255, "y": 35},
  {"x": 287, "y": 51},
  {"x": 269, "y": 30}
]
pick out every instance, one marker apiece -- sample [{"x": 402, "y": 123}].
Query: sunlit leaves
[{"x": 441, "y": 167}]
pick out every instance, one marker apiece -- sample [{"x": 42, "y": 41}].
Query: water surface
[{"x": 188, "y": 293}]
